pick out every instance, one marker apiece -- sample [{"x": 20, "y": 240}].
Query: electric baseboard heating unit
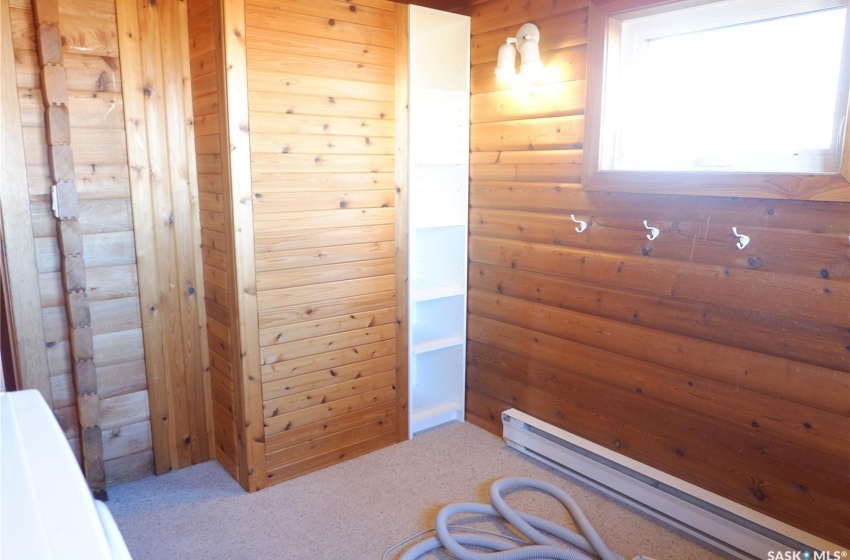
[{"x": 731, "y": 527}]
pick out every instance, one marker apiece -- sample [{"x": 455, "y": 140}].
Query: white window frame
[{"x": 604, "y": 39}]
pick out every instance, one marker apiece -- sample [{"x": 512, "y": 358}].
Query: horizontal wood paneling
[
  {"x": 726, "y": 367},
  {"x": 96, "y": 115},
  {"x": 320, "y": 94},
  {"x": 205, "y": 60}
]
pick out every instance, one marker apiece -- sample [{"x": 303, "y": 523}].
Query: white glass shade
[
  {"x": 526, "y": 42},
  {"x": 506, "y": 63},
  {"x": 528, "y": 39}
]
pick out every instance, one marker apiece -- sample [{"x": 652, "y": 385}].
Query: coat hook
[
  {"x": 581, "y": 225},
  {"x": 744, "y": 239},
  {"x": 653, "y": 231}
]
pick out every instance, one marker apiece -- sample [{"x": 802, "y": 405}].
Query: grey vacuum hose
[{"x": 540, "y": 545}]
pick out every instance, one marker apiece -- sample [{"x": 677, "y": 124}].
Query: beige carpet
[{"x": 360, "y": 508}]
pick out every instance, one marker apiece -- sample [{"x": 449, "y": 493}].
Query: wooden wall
[
  {"x": 297, "y": 214},
  {"x": 215, "y": 215},
  {"x": 728, "y": 368},
  {"x": 96, "y": 112},
  {"x": 131, "y": 122},
  {"x": 159, "y": 125},
  {"x": 321, "y": 84}
]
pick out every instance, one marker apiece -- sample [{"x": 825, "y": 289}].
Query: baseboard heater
[{"x": 731, "y": 527}]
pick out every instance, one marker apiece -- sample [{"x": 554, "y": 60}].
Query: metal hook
[
  {"x": 744, "y": 239},
  {"x": 653, "y": 231},
  {"x": 581, "y": 225}
]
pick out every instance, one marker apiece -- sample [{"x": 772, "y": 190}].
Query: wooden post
[
  {"x": 70, "y": 238},
  {"x": 249, "y": 389},
  {"x": 402, "y": 255}
]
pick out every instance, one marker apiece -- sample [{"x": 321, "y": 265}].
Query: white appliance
[
  {"x": 736, "y": 529},
  {"x": 46, "y": 508}
]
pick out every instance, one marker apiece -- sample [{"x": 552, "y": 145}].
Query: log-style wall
[
  {"x": 126, "y": 70},
  {"x": 97, "y": 132},
  {"x": 728, "y": 368}
]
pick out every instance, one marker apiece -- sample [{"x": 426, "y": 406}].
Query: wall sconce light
[{"x": 527, "y": 43}]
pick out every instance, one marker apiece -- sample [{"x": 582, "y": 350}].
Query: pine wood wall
[
  {"x": 96, "y": 112},
  {"x": 725, "y": 367},
  {"x": 126, "y": 68},
  {"x": 296, "y": 173},
  {"x": 215, "y": 215},
  {"x": 321, "y": 90}
]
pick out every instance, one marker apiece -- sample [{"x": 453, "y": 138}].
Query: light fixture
[{"x": 527, "y": 43}]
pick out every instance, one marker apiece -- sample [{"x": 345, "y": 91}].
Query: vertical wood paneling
[
  {"x": 154, "y": 53},
  {"x": 321, "y": 89},
  {"x": 250, "y": 436},
  {"x": 186, "y": 211},
  {"x": 402, "y": 236},
  {"x": 728, "y": 368}
]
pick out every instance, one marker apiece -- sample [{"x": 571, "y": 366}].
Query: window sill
[{"x": 824, "y": 187}]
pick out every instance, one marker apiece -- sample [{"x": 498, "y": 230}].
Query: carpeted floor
[{"x": 360, "y": 508}]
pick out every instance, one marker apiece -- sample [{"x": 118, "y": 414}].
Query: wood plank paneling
[
  {"x": 16, "y": 230},
  {"x": 155, "y": 63},
  {"x": 96, "y": 117},
  {"x": 321, "y": 83},
  {"x": 726, "y": 367},
  {"x": 206, "y": 63}
]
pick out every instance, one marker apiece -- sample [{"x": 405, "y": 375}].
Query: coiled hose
[{"x": 539, "y": 546}]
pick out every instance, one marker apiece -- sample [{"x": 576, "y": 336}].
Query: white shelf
[
  {"x": 430, "y": 409},
  {"x": 426, "y": 339},
  {"x": 438, "y": 221},
  {"x": 440, "y": 91},
  {"x": 438, "y": 202},
  {"x": 422, "y": 290}
]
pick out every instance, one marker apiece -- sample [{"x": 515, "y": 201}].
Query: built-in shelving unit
[{"x": 438, "y": 176}]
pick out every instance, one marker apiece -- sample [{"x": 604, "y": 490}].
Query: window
[{"x": 717, "y": 88}]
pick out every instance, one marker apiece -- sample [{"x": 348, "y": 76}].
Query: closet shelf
[
  {"x": 429, "y": 409},
  {"x": 425, "y": 291},
  {"x": 426, "y": 339}
]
